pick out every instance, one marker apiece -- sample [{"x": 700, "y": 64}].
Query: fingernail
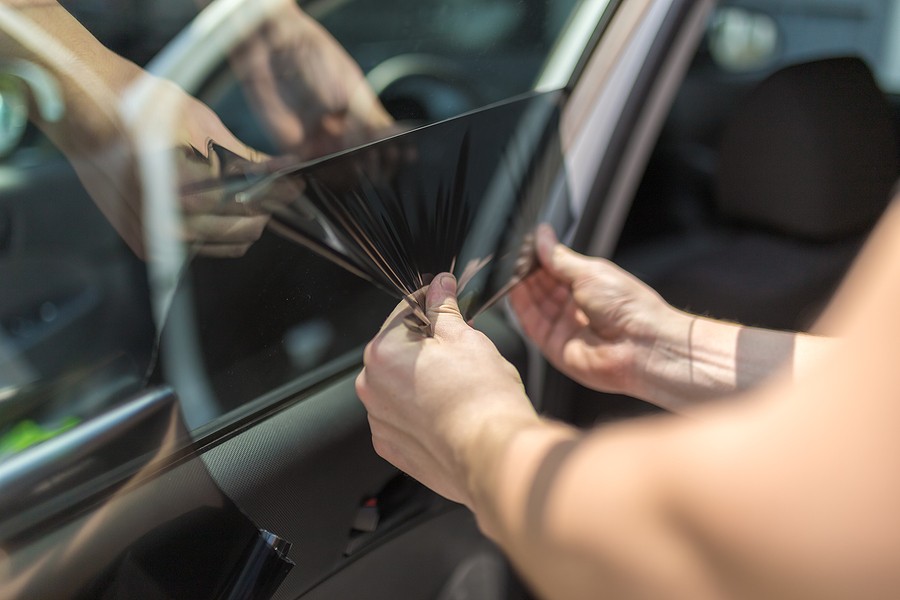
[
  {"x": 447, "y": 283},
  {"x": 545, "y": 240}
]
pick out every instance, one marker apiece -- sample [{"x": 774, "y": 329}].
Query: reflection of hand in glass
[
  {"x": 311, "y": 95},
  {"x": 92, "y": 81},
  {"x": 212, "y": 226}
]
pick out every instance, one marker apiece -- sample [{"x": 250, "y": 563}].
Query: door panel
[
  {"x": 306, "y": 472},
  {"x": 444, "y": 558}
]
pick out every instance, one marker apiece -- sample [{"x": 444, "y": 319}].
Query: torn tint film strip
[{"x": 463, "y": 195}]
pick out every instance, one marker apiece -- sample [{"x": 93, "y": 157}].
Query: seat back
[
  {"x": 811, "y": 153},
  {"x": 806, "y": 166}
]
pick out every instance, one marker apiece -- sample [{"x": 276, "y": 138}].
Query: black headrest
[{"x": 812, "y": 152}]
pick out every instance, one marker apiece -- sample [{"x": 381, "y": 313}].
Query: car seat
[{"x": 805, "y": 168}]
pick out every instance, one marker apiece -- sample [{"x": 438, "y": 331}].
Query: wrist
[
  {"x": 504, "y": 481},
  {"x": 695, "y": 361},
  {"x": 663, "y": 370},
  {"x": 487, "y": 434},
  {"x": 658, "y": 343}
]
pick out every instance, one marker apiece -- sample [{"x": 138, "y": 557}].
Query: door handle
[{"x": 399, "y": 501}]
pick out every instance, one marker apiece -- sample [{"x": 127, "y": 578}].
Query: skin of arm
[
  {"x": 610, "y": 332},
  {"x": 788, "y": 491}
]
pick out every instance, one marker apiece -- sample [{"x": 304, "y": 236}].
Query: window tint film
[{"x": 461, "y": 195}]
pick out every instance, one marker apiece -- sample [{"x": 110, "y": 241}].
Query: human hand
[
  {"x": 435, "y": 403},
  {"x": 313, "y": 98},
  {"x": 593, "y": 321}
]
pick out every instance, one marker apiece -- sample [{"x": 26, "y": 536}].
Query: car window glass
[{"x": 253, "y": 315}]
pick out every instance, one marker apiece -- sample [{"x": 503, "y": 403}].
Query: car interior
[{"x": 277, "y": 333}]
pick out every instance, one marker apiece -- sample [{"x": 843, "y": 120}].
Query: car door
[{"x": 245, "y": 418}]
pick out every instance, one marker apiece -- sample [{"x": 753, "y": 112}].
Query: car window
[{"x": 96, "y": 306}]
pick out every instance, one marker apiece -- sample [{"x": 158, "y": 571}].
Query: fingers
[
  {"x": 565, "y": 264},
  {"x": 541, "y": 293},
  {"x": 400, "y": 312},
  {"x": 544, "y": 309},
  {"x": 218, "y": 236},
  {"x": 441, "y": 306},
  {"x": 526, "y": 301},
  {"x": 223, "y": 229},
  {"x": 222, "y": 250}
]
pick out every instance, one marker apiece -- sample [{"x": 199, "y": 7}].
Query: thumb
[
  {"x": 562, "y": 262},
  {"x": 441, "y": 306}
]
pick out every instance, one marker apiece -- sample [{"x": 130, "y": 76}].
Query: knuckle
[
  {"x": 362, "y": 389},
  {"x": 381, "y": 447},
  {"x": 369, "y": 353}
]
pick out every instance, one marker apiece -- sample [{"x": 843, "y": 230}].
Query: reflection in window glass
[
  {"x": 293, "y": 311},
  {"x": 435, "y": 59}
]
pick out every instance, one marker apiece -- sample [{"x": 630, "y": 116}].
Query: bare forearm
[
  {"x": 509, "y": 487},
  {"x": 696, "y": 359},
  {"x": 582, "y": 516}
]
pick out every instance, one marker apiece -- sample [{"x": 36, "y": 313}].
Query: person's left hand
[{"x": 434, "y": 403}]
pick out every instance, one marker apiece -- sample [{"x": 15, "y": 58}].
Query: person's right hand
[{"x": 593, "y": 321}]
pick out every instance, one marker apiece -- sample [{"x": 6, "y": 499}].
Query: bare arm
[
  {"x": 609, "y": 331},
  {"x": 788, "y": 492},
  {"x": 697, "y": 359}
]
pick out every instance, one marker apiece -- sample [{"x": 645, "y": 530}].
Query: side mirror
[{"x": 13, "y": 113}]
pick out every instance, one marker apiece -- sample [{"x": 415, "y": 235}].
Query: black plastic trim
[
  {"x": 631, "y": 115},
  {"x": 602, "y": 25}
]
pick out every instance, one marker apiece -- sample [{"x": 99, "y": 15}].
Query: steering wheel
[{"x": 424, "y": 88}]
